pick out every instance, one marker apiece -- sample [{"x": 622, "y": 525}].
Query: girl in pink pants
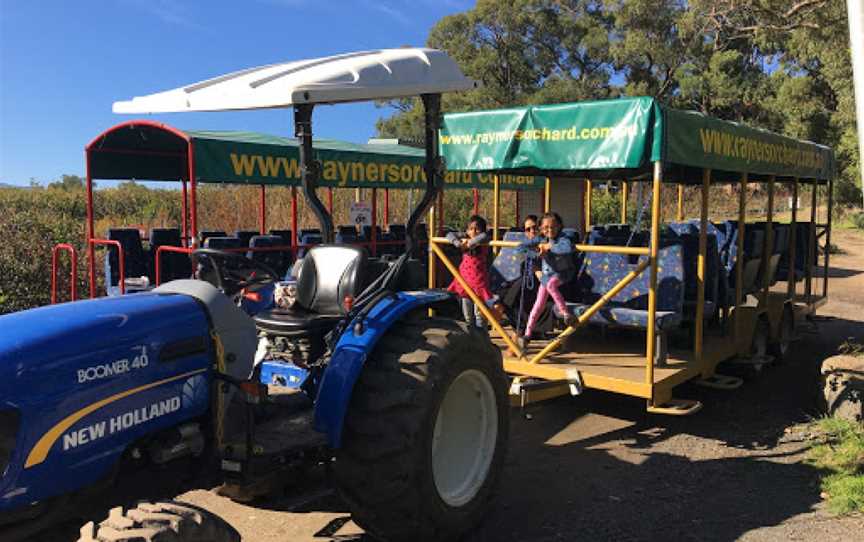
[{"x": 556, "y": 267}]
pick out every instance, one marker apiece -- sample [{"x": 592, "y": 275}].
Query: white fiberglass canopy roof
[{"x": 350, "y": 77}]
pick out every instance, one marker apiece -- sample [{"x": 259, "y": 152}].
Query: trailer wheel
[
  {"x": 780, "y": 347},
  {"x": 426, "y": 432},
  {"x": 758, "y": 350},
  {"x": 170, "y": 521}
]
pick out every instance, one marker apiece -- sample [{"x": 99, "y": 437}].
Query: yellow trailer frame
[{"x": 620, "y": 369}]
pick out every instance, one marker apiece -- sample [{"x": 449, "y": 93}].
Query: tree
[
  {"x": 782, "y": 65},
  {"x": 523, "y": 51},
  {"x": 68, "y": 182}
]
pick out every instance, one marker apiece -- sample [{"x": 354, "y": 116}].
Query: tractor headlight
[{"x": 9, "y": 422}]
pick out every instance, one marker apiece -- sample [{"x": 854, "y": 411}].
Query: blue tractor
[{"x": 349, "y": 368}]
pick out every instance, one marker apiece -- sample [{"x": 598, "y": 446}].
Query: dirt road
[{"x": 597, "y": 467}]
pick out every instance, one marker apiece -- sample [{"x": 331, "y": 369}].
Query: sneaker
[
  {"x": 522, "y": 342},
  {"x": 571, "y": 320}
]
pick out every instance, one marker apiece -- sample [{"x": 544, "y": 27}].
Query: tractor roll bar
[
  {"x": 432, "y": 166},
  {"x": 310, "y": 168}
]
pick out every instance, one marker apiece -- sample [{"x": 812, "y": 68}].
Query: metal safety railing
[
  {"x": 582, "y": 319},
  {"x": 73, "y": 271},
  {"x": 121, "y": 258}
]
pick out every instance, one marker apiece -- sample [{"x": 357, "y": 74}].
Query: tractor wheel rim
[{"x": 465, "y": 437}]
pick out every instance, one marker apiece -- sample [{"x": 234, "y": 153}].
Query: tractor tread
[
  {"x": 172, "y": 521},
  {"x": 381, "y": 468}
]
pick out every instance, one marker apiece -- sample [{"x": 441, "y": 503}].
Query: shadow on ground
[{"x": 598, "y": 467}]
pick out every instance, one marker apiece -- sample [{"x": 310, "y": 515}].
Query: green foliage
[
  {"x": 773, "y": 64},
  {"x": 37, "y": 218},
  {"x": 605, "y": 207},
  {"x": 840, "y": 453},
  {"x": 33, "y": 221},
  {"x": 858, "y": 220}
]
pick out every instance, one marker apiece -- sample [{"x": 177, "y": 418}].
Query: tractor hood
[{"x": 51, "y": 347}]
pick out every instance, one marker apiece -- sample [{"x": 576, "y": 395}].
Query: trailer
[
  {"x": 157, "y": 152},
  {"x": 715, "y": 283}
]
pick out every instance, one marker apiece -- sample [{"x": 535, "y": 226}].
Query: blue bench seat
[{"x": 629, "y": 308}]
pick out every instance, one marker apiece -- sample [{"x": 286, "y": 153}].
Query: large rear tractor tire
[
  {"x": 160, "y": 522},
  {"x": 426, "y": 432}
]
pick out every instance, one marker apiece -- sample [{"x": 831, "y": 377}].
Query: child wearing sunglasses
[{"x": 556, "y": 268}]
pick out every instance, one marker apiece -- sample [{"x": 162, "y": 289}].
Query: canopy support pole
[
  {"x": 700, "y": 267},
  {"x": 739, "y": 264},
  {"x": 790, "y": 278},
  {"x": 432, "y": 167},
  {"x": 587, "y": 200},
  {"x": 547, "y": 196},
  {"x": 496, "y": 207},
  {"x": 652, "y": 289},
  {"x": 518, "y": 194},
  {"x": 310, "y": 169},
  {"x": 294, "y": 232},
  {"x": 193, "y": 195},
  {"x": 828, "y": 237},
  {"x": 184, "y": 211},
  {"x": 811, "y": 244},
  {"x": 374, "y": 234},
  {"x": 386, "y": 206},
  {"x": 624, "y": 188},
  {"x": 91, "y": 251},
  {"x": 679, "y": 213},
  {"x": 262, "y": 214},
  {"x": 768, "y": 242}
]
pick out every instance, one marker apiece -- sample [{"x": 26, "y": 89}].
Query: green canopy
[
  {"x": 247, "y": 157},
  {"x": 150, "y": 151},
  {"x": 624, "y": 136}
]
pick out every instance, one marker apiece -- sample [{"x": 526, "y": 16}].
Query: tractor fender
[{"x": 351, "y": 353}]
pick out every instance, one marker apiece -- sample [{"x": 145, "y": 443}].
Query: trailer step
[
  {"x": 676, "y": 407},
  {"x": 720, "y": 382}
]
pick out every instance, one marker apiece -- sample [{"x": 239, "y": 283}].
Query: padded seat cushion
[{"x": 622, "y": 316}]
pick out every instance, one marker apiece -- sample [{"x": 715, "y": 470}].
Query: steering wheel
[{"x": 235, "y": 272}]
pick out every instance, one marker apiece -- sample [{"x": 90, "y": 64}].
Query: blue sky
[{"x": 63, "y": 63}]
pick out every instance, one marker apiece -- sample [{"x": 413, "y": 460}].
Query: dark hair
[
  {"x": 479, "y": 221},
  {"x": 554, "y": 216},
  {"x": 530, "y": 217}
]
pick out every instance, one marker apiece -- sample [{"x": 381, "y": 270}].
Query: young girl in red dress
[{"x": 474, "y": 269}]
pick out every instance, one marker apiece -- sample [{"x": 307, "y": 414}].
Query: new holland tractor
[{"x": 411, "y": 409}]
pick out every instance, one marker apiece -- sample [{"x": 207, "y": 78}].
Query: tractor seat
[{"x": 326, "y": 276}]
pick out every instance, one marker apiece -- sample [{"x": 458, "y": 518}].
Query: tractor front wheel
[{"x": 426, "y": 432}]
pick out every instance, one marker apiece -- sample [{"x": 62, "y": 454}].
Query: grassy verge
[{"x": 840, "y": 454}]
